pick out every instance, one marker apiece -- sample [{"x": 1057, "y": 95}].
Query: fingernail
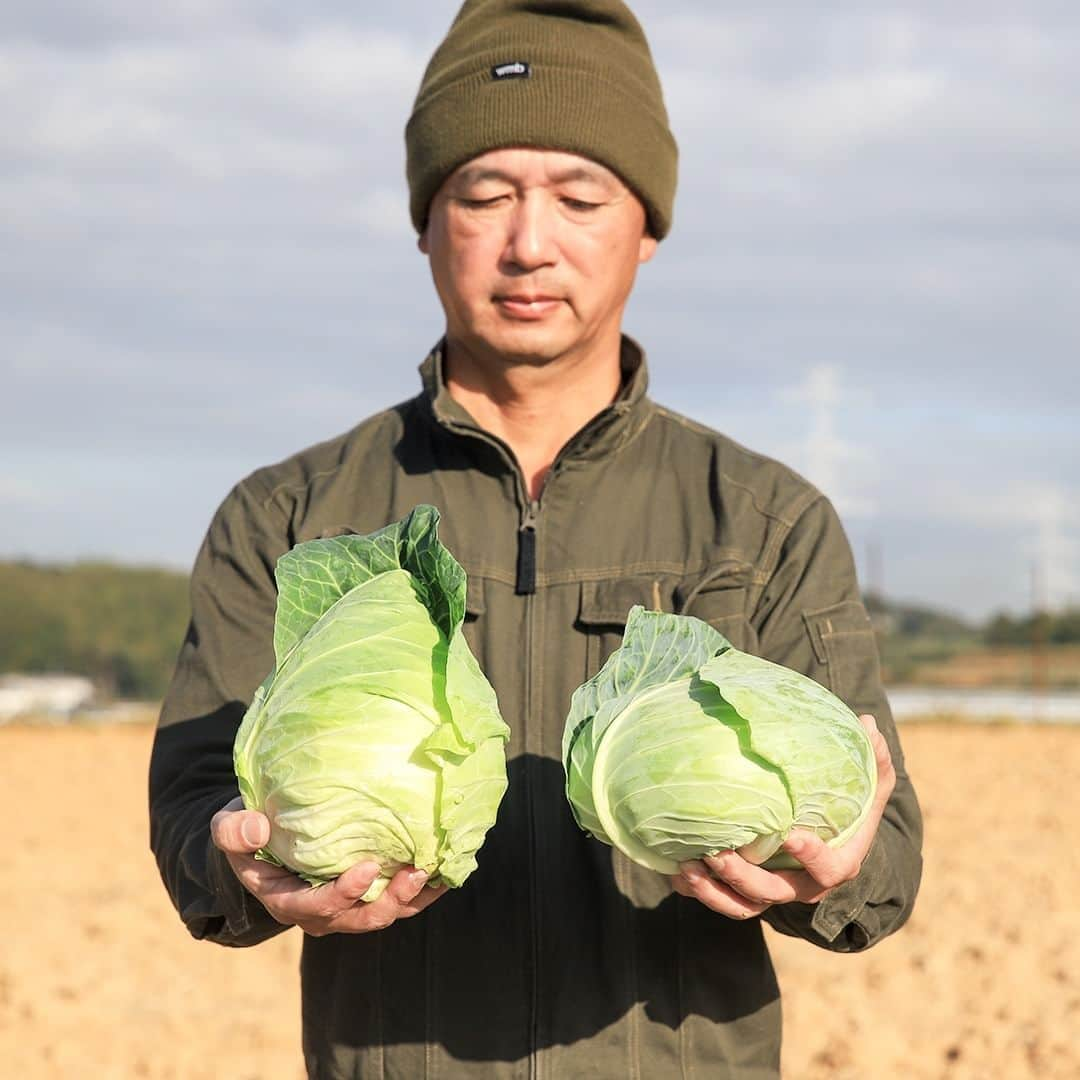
[
  {"x": 691, "y": 874},
  {"x": 717, "y": 863},
  {"x": 417, "y": 878},
  {"x": 249, "y": 830}
]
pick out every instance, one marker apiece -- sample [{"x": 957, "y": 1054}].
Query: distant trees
[
  {"x": 914, "y": 620},
  {"x": 123, "y": 626},
  {"x": 918, "y": 622},
  {"x": 120, "y": 626},
  {"x": 1051, "y": 628}
]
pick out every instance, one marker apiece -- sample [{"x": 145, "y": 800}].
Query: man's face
[{"x": 534, "y": 253}]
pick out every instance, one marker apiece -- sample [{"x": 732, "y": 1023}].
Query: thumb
[{"x": 237, "y": 831}]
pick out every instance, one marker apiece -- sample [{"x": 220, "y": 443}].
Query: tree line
[
  {"x": 1044, "y": 627},
  {"x": 914, "y": 622},
  {"x": 120, "y": 626},
  {"x": 123, "y": 626}
]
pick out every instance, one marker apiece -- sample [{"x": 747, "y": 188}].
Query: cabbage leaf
[
  {"x": 376, "y": 736},
  {"x": 683, "y": 746}
]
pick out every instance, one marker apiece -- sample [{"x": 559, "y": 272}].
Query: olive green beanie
[{"x": 572, "y": 75}]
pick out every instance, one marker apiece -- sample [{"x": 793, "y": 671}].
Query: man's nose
[{"x": 531, "y": 242}]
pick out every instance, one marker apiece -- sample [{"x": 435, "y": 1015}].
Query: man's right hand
[{"x": 334, "y": 908}]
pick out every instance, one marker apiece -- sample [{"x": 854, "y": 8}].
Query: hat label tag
[{"x": 516, "y": 69}]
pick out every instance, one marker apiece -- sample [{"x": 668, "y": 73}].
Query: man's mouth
[{"x": 527, "y": 305}]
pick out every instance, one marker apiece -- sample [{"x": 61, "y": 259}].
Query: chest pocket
[
  {"x": 719, "y": 597},
  {"x": 843, "y": 640},
  {"x": 605, "y": 605}
]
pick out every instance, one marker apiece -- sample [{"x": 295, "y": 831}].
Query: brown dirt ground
[{"x": 97, "y": 978}]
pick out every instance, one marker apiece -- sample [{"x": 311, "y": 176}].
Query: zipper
[
  {"x": 533, "y": 860},
  {"x": 525, "y": 586},
  {"x": 526, "y": 555}
]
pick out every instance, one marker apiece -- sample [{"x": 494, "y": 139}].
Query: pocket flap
[
  {"x": 827, "y": 624},
  {"x": 723, "y": 578},
  {"x": 843, "y": 639},
  {"x": 475, "y": 604},
  {"x": 332, "y": 532},
  {"x": 717, "y": 597},
  {"x": 607, "y": 603}
]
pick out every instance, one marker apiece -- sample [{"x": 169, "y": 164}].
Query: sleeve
[
  {"x": 227, "y": 652},
  {"x": 810, "y": 617}
]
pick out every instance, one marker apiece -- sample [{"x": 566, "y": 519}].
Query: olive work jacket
[{"x": 558, "y": 958}]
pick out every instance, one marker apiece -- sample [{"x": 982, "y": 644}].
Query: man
[{"x": 542, "y": 174}]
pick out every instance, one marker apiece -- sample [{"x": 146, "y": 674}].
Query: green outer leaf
[
  {"x": 472, "y": 791},
  {"x": 315, "y": 575},
  {"x": 656, "y": 649},
  {"x": 676, "y": 779},
  {"x": 832, "y": 775},
  {"x": 247, "y": 731},
  {"x": 324, "y": 694},
  {"x": 468, "y": 747}
]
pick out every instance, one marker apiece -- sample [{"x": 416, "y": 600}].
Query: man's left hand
[{"x": 729, "y": 884}]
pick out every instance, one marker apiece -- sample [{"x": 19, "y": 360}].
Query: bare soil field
[{"x": 99, "y": 980}]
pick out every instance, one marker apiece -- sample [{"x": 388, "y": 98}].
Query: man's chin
[{"x": 529, "y": 346}]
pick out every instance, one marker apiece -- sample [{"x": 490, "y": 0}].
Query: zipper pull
[{"x": 526, "y": 563}]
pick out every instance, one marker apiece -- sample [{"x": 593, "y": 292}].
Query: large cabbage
[
  {"x": 683, "y": 746},
  {"x": 376, "y": 736}
]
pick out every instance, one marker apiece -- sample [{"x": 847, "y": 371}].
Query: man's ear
[
  {"x": 422, "y": 242},
  {"x": 647, "y": 247}
]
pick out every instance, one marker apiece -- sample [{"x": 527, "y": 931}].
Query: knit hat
[{"x": 572, "y": 75}]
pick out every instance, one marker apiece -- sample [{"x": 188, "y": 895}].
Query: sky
[{"x": 206, "y": 263}]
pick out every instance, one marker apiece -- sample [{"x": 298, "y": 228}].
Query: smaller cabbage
[
  {"x": 682, "y": 746},
  {"x": 376, "y": 736}
]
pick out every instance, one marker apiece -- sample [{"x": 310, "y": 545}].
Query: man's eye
[
  {"x": 480, "y": 204},
  {"x": 580, "y": 205}
]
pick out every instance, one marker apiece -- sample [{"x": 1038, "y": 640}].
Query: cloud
[
  {"x": 205, "y": 112},
  {"x": 209, "y": 261}
]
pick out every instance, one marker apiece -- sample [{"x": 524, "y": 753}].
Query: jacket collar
[{"x": 605, "y": 434}]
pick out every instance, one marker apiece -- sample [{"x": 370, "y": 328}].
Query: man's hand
[
  {"x": 730, "y": 885},
  {"x": 324, "y": 909}
]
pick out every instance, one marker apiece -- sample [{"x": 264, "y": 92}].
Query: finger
[
  {"x": 349, "y": 888},
  {"x": 239, "y": 831},
  {"x": 428, "y": 895},
  {"x": 886, "y": 774},
  {"x": 425, "y": 898},
  {"x": 377, "y": 915},
  {"x": 748, "y": 880},
  {"x": 827, "y": 866},
  {"x": 406, "y": 885},
  {"x": 273, "y": 886},
  {"x": 806, "y": 890},
  {"x": 695, "y": 881},
  {"x": 683, "y": 887},
  {"x": 303, "y": 903}
]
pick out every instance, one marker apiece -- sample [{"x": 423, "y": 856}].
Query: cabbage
[
  {"x": 683, "y": 746},
  {"x": 376, "y": 736}
]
